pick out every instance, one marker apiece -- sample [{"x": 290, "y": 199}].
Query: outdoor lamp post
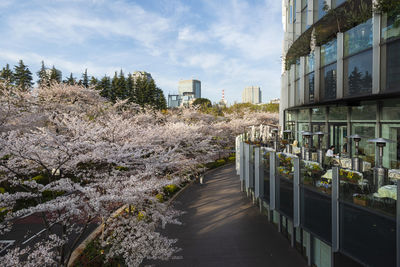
[
  {"x": 288, "y": 137},
  {"x": 275, "y": 132},
  {"x": 320, "y": 152},
  {"x": 306, "y": 147},
  {"x": 356, "y": 162},
  {"x": 380, "y": 173}
]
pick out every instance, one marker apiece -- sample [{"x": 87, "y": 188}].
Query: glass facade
[
  {"x": 328, "y": 82},
  {"x": 358, "y": 74},
  {"x": 329, "y": 52},
  {"x": 310, "y": 88},
  {"x": 321, "y": 11},
  {"x": 358, "y": 38}
]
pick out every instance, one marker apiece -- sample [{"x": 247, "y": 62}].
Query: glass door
[{"x": 338, "y": 137}]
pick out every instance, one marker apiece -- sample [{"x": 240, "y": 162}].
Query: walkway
[{"x": 222, "y": 228}]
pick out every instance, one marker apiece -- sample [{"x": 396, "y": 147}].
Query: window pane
[
  {"x": 318, "y": 114},
  {"x": 328, "y": 82},
  {"x": 321, "y": 11},
  {"x": 339, "y": 2},
  {"x": 391, "y": 152},
  {"x": 393, "y": 66},
  {"x": 297, "y": 90},
  {"x": 338, "y": 113},
  {"x": 328, "y": 52},
  {"x": 390, "y": 29},
  {"x": 297, "y": 69},
  {"x": 304, "y": 15},
  {"x": 310, "y": 87},
  {"x": 310, "y": 63},
  {"x": 366, "y": 150},
  {"x": 304, "y": 115},
  {"x": 391, "y": 110},
  {"x": 364, "y": 112},
  {"x": 358, "y": 74},
  {"x": 358, "y": 38}
]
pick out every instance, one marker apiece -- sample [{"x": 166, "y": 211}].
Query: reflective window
[
  {"x": 358, "y": 74},
  {"x": 310, "y": 63},
  {"x": 310, "y": 87},
  {"x": 390, "y": 29},
  {"x": 318, "y": 114},
  {"x": 365, "y": 112},
  {"x": 391, "y": 110},
  {"x": 339, "y": 2},
  {"x": 321, "y": 12},
  {"x": 366, "y": 150},
  {"x": 338, "y": 113},
  {"x": 297, "y": 90},
  {"x": 304, "y": 115},
  {"x": 392, "y": 69},
  {"x": 294, "y": 11},
  {"x": 328, "y": 82},
  {"x": 328, "y": 52},
  {"x": 297, "y": 69},
  {"x": 358, "y": 38},
  {"x": 304, "y": 15},
  {"x": 391, "y": 152}
]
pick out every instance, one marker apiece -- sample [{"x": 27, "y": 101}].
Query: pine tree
[
  {"x": 71, "y": 80},
  {"x": 55, "y": 75},
  {"x": 6, "y": 74},
  {"x": 355, "y": 82},
  {"x": 161, "y": 102},
  {"x": 22, "y": 76},
  {"x": 130, "y": 88},
  {"x": 121, "y": 86},
  {"x": 114, "y": 88},
  {"x": 85, "y": 79},
  {"x": 93, "y": 82},
  {"x": 43, "y": 78},
  {"x": 104, "y": 86}
]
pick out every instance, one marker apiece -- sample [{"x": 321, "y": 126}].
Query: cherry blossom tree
[{"x": 73, "y": 158}]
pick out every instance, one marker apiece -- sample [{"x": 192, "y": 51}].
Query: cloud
[{"x": 227, "y": 44}]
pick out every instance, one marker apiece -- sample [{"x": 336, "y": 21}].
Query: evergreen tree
[
  {"x": 43, "y": 78},
  {"x": 161, "y": 102},
  {"x": 55, "y": 75},
  {"x": 22, "y": 76},
  {"x": 85, "y": 79},
  {"x": 71, "y": 80},
  {"x": 93, "y": 82},
  {"x": 114, "y": 88},
  {"x": 121, "y": 92},
  {"x": 130, "y": 88},
  {"x": 104, "y": 86},
  {"x": 6, "y": 74}
]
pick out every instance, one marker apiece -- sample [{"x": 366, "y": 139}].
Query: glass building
[{"x": 343, "y": 79}]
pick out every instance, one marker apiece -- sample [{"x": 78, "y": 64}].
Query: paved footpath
[{"x": 221, "y": 227}]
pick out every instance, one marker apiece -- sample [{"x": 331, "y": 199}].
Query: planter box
[{"x": 360, "y": 201}]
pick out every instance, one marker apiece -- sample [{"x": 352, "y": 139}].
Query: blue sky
[{"x": 226, "y": 44}]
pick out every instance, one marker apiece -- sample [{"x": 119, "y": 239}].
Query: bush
[
  {"x": 170, "y": 190},
  {"x": 160, "y": 197},
  {"x": 2, "y": 190},
  {"x": 122, "y": 168},
  {"x": 41, "y": 179}
]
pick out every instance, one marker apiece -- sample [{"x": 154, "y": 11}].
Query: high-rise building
[
  {"x": 252, "y": 94},
  {"x": 341, "y": 90},
  {"x": 190, "y": 87}
]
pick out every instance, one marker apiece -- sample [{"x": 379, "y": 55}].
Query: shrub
[{"x": 170, "y": 190}]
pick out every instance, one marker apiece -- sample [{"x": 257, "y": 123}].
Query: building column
[
  {"x": 311, "y": 12},
  {"x": 302, "y": 80},
  {"x": 339, "y": 66},
  {"x": 297, "y": 27},
  {"x": 376, "y": 53},
  {"x": 317, "y": 73}
]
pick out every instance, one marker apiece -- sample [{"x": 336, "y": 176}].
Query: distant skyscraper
[
  {"x": 190, "y": 87},
  {"x": 251, "y": 94},
  {"x": 141, "y": 74}
]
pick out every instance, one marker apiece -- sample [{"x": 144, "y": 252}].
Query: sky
[{"x": 226, "y": 44}]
